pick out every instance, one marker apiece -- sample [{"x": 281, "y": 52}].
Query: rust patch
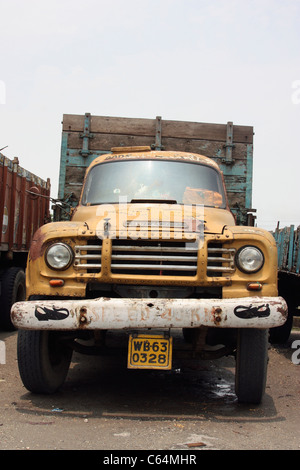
[
  {"x": 36, "y": 245},
  {"x": 217, "y": 315},
  {"x": 82, "y": 317},
  {"x": 283, "y": 311}
]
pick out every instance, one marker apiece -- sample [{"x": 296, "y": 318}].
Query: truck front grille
[
  {"x": 160, "y": 258},
  {"x": 220, "y": 260}
]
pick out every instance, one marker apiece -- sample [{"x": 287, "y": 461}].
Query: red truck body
[{"x": 24, "y": 207}]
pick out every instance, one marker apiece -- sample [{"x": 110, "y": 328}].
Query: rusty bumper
[{"x": 109, "y": 313}]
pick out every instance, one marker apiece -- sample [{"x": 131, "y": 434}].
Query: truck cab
[{"x": 151, "y": 249}]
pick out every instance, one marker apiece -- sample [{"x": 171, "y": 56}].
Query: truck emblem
[
  {"x": 251, "y": 312},
  {"x": 45, "y": 313}
]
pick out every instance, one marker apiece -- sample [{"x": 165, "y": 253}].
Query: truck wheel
[
  {"x": 43, "y": 360},
  {"x": 251, "y": 365},
  {"x": 12, "y": 290}
]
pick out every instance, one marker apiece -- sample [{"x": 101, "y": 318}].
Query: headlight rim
[
  {"x": 64, "y": 268},
  {"x": 238, "y": 264}
]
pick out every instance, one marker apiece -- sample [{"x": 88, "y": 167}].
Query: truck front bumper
[{"x": 110, "y": 313}]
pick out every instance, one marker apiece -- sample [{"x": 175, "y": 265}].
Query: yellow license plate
[{"x": 149, "y": 352}]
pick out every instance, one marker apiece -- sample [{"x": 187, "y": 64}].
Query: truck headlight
[
  {"x": 59, "y": 256},
  {"x": 249, "y": 259}
]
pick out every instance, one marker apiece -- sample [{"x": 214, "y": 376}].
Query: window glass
[{"x": 153, "y": 180}]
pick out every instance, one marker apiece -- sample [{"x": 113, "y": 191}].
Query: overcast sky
[{"x": 194, "y": 60}]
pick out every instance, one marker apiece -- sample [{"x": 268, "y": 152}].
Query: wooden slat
[
  {"x": 287, "y": 240},
  {"x": 106, "y": 142},
  {"x": 205, "y": 131},
  {"x": 110, "y": 125},
  {"x": 147, "y": 127},
  {"x": 73, "y": 122},
  {"x": 74, "y": 179}
]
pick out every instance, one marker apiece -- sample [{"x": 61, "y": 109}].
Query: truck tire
[
  {"x": 281, "y": 334},
  {"x": 43, "y": 360},
  {"x": 251, "y": 365},
  {"x": 13, "y": 290}
]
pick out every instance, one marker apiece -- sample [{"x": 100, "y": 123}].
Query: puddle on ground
[{"x": 224, "y": 390}]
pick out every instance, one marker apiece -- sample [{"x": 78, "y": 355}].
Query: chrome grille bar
[
  {"x": 158, "y": 249},
  {"x": 220, "y": 260},
  {"x": 153, "y": 267},
  {"x": 85, "y": 255},
  {"x": 164, "y": 257},
  {"x": 154, "y": 258}
]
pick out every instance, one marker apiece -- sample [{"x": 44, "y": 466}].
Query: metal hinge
[
  {"x": 229, "y": 144},
  {"x": 157, "y": 145},
  {"x": 86, "y": 136}
]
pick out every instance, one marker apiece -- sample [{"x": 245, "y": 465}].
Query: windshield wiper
[{"x": 153, "y": 201}]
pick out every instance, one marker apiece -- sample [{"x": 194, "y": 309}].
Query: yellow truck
[{"x": 158, "y": 241}]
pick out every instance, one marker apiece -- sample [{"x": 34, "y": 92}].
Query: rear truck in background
[
  {"x": 22, "y": 212},
  {"x": 288, "y": 245},
  {"x": 159, "y": 240}
]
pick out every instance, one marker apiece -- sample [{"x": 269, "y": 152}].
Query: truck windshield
[{"x": 153, "y": 181}]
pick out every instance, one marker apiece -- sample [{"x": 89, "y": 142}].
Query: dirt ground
[{"x": 104, "y": 406}]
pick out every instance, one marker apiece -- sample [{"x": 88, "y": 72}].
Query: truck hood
[{"x": 133, "y": 220}]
